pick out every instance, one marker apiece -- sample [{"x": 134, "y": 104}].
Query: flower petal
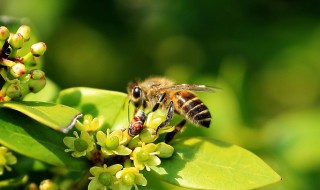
[
  {"x": 107, "y": 152},
  {"x": 69, "y": 142},
  {"x": 119, "y": 174},
  {"x": 77, "y": 154},
  {"x": 94, "y": 125},
  {"x": 114, "y": 169},
  {"x": 117, "y": 133},
  {"x": 138, "y": 165},
  {"x": 141, "y": 180},
  {"x": 101, "y": 138},
  {"x": 94, "y": 185},
  {"x": 3, "y": 150},
  {"x": 96, "y": 170},
  {"x": 122, "y": 150},
  {"x": 153, "y": 161},
  {"x": 11, "y": 159},
  {"x": 85, "y": 136},
  {"x": 150, "y": 147}
]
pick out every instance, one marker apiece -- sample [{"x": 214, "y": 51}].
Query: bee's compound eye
[{"x": 136, "y": 92}]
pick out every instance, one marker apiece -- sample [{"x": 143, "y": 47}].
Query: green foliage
[
  {"x": 216, "y": 164},
  {"x": 56, "y": 116},
  {"x": 270, "y": 98},
  {"x": 201, "y": 163},
  {"x": 99, "y": 103},
  {"x": 35, "y": 140}
]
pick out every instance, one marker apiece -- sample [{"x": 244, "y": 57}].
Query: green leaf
[
  {"x": 30, "y": 138},
  {"x": 110, "y": 105},
  {"x": 210, "y": 164},
  {"x": 58, "y": 117}
]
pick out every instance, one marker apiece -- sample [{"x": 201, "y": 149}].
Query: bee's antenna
[{"x": 129, "y": 110}]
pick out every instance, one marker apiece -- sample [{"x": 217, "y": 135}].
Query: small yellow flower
[
  {"x": 103, "y": 177},
  {"x": 129, "y": 177},
  {"x": 89, "y": 124},
  {"x": 145, "y": 156},
  {"x": 79, "y": 145},
  {"x": 6, "y": 158},
  {"x": 112, "y": 144}
]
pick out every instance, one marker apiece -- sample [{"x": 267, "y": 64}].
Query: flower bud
[
  {"x": 24, "y": 30},
  {"x": 14, "y": 91},
  {"x": 38, "y": 49},
  {"x": 80, "y": 145},
  {"x": 16, "y": 41},
  {"x": 143, "y": 156},
  {"x": 4, "y": 33},
  {"x": 112, "y": 142},
  {"x": 105, "y": 178},
  {"x": 48, "y": 185},
  {"x": 37, "y": 74},
  {"x": 165, "y": 150},
  {"x": 37, "y": 85},
  {"x": 17, "y": 70},
  {"x": 129, "y": 178}
]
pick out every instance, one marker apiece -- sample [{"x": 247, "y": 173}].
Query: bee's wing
[{"x": 190, "y": 87}]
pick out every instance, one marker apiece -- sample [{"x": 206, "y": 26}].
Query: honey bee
[{"x": 179, "y": 98}]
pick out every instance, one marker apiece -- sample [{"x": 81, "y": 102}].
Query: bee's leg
[
  {"x": 176, "y": 130},
  {"x": 168, "y": 118},
  {"x": 156, "y": 106}
]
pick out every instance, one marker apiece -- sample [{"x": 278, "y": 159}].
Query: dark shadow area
[{"x": 72, "y": 99}]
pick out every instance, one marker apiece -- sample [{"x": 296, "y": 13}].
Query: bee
[{"x": 177, "y": 98}]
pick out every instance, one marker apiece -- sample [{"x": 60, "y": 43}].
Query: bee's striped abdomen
[{"x": 189, "y": 105}]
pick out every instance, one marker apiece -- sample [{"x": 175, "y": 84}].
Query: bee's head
[{"x": 135, "y": 94}]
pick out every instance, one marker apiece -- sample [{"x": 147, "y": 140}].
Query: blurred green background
[{"x": 265, "y": 55}]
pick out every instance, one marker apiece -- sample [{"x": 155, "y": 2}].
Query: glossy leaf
[
  {"x": 30, "y": 138},
  {"x": 111, "y": 106},
  {"x": 211, "y": 164},
  {"x": 58, "y": 117}
]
